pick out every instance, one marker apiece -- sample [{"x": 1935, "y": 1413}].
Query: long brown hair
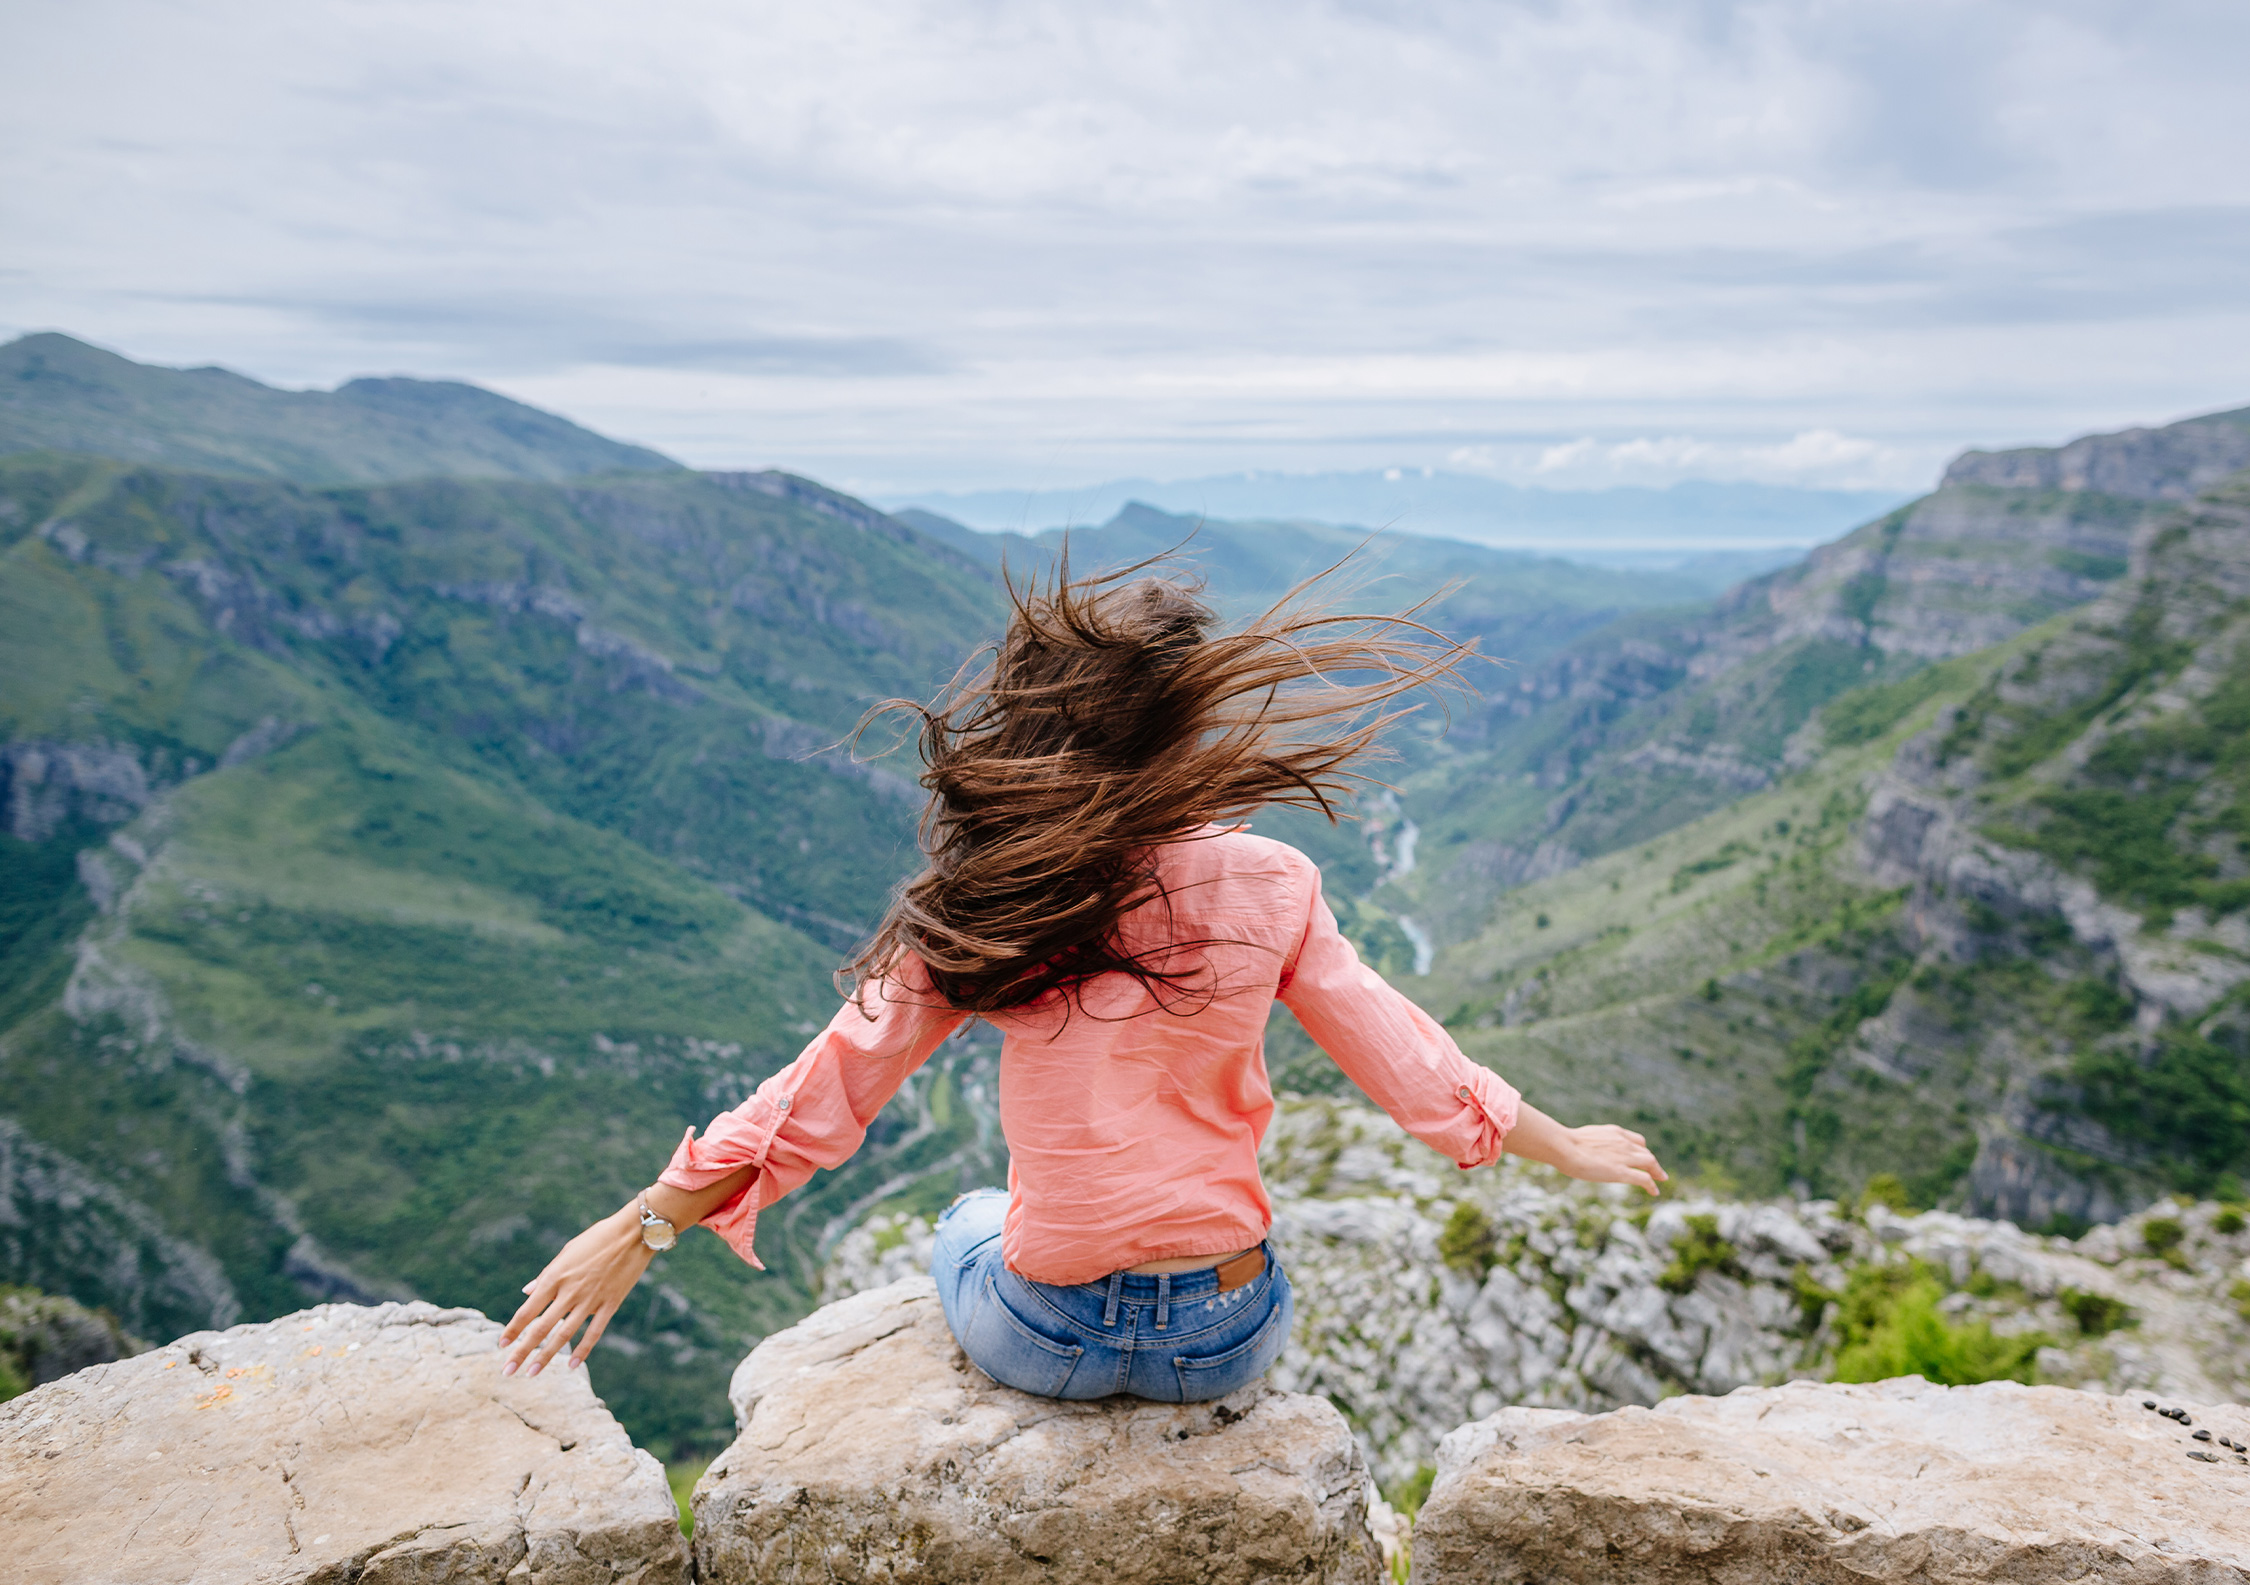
[{"x": 1108, "y": 721}]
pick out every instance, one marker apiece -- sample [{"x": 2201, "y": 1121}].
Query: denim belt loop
[
  {"x": 1163, "y": 1298},
  {"x": 1116, "y": 1286}
]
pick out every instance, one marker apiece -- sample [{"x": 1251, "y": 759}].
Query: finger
[
  {"x": 593, "y": 1336},
  {"x": 538, "y": 1292},
  {"x": 522, "y": 1318},
  {"x": 557, "y": 1340},
  {"x": 533, "y": 1332}
]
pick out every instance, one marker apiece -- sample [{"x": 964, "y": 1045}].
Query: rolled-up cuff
[
  {"x": 699, "y": 1163},
  {"x": 1495, "y": 1104}
]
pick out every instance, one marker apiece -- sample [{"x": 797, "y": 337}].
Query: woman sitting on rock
[{"x": 1086, "y": 895}]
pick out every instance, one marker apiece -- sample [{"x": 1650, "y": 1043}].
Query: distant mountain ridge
[
  {"x": 2173, "y": 463},
  {"x": 1657, "y": 524},
  {"x": 60, "y": 394}
]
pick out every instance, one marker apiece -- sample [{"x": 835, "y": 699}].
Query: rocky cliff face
[{"x": 2097, "y": 786}]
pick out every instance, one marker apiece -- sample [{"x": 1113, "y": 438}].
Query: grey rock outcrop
[
  {"x": 376, "y": 1446},
  {"x": 1584, "y": 1300},
  {"x": 872, "y": 1450},
  {"x": 1834, "y": 1485},
  {"x": 2168, "y": 464}
]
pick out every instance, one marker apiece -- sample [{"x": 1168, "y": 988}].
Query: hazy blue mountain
[
  {"x": 1519, "y": 607},
  {"x": 61, "y": 394},
  {"x": 1652, "y": 526}
]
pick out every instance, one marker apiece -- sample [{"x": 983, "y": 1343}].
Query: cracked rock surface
[
  {"x": 1822, "y": 1484},
  {"x": 343, "y": 1445},
  {"x": 871, "y": 1449}
]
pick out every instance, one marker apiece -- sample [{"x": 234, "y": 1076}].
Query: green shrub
[
  {"x": 1891, "y": 1327},
  {"x": 1698, "y": 1250},
  {"x": 1409, "y": 1494},
  {"x": 1468, "y": 1243},
  {"x": 2097, "y": 1314},
  {"x": 1885, "y": 1188},
  {"x": 13, "y": 1382},
  {"x": 2160, "y": 1235},
  {"x": 1729, "y": 854},
  {"x": 2240, "y": 1294},
  {"x": 2228, "y": 1222},
  {"x": 682, "y": 1478},
  {"x": 1813, "y": 1300}
]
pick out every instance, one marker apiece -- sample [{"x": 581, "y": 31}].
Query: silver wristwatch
[{"x": 656, "y": 1232}]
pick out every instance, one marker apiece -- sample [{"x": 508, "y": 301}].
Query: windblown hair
[{"x": 1110, "y": 720}]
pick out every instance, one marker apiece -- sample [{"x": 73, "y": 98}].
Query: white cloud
[
  {"x": 900, "y": 242},
  {"x": 1813, "y": 458}
]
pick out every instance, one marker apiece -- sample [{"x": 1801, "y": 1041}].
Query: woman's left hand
[{"x": 582, "y": 1286}]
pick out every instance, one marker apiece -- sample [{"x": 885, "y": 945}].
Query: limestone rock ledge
[
  {"x": 1822, "y": 1484},
  {"x": 871, "y": 1449},
  {"x": 340, "y": 1446}
]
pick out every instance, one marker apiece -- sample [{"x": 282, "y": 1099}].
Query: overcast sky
[{"x": 900, "y": 246}]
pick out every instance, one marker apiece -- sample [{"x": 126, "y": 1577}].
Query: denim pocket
[
  {"x": 1001, "y": 1345},
  {"x": 1219, "y": 1374}
]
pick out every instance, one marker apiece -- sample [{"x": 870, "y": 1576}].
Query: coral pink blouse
[{"x": 1132, "y": 1120}]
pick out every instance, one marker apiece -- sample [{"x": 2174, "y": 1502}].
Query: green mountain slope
[
  {"x": 1666, "y": 716},
  {"x": 1992, "y": 936},
  {"x": 393, "y": 872},
  {"x": 63, "y": 395}
]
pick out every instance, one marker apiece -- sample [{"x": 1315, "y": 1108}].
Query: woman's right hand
[{"x": 1606, "y": 1153}]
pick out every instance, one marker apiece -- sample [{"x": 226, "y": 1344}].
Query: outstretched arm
[
  {"x": 591, "y": 1276},
  {"x": 1599, "y": 1152}
]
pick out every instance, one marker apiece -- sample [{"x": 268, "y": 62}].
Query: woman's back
[
  {"x": 1132, "y": 1106},
  {"x": 1084, "y": 894}
]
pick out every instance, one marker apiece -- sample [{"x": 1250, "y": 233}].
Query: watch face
[{"x": 658, "y": 1236}]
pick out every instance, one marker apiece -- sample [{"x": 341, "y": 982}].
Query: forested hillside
[{"x": 393, "y": 873}]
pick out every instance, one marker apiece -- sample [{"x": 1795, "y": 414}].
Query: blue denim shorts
[{"x": 1171, "y": 1339}]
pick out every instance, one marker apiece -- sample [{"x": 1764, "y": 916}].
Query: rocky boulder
[
  {"x": 1817, "y": 1483},
  {"x": 871, "y": 1449},
  {"x": 376, "y": 1446}
]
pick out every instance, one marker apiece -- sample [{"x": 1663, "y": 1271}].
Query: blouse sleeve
[
  {"x": 814, "y": 1113},
  {"x": 1400, "y": 1056}
]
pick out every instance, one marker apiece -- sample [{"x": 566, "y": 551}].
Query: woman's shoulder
[{"x": 1218, "y": 852}]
